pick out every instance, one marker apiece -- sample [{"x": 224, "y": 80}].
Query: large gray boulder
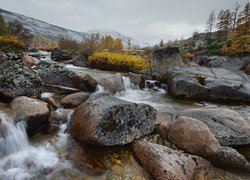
[
  {"x": 110, "y": 81},
  {"x": 18, "y": 80},
  {"x": 228, "y": 126},
  {"x": 165, "y": 59},
  {"x": 79, "y": 61},
  {"x": 221, "y": 62},
  {"x": 60, "y": 55},
  {"x": 208, "y": 83},
  {"x": 165, "y": 163},
  {"x": 106, "y": 120},
  {"x": 58, "y": 74},
  {"x": 246, "y": 66}
]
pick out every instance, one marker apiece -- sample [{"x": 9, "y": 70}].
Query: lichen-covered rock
[
  {"x": 18, "y": 80},
  {"x": 79, "y": 61},
  {"x": 208, "y": 83},
  {"x": 229, "y": 158},
  {"x": 165, "y": 163},
  {"x": 58, "y": 74},
  {"x": 106, "y": 120},
  {"x": 165, "y": 59},
  {"x": 220, "y": 61},
  {"x": 193, "y": 136},
  {"x": 34, "y": 112},
  {"x": 228, "y": 126},
  {"x": 60, "y": 55},
  {"x": 3, "y": 57}
]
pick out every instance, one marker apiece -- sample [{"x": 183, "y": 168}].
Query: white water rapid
[
  {"x": 133, "y": 93},
  {"x": 20, "y": 160}
]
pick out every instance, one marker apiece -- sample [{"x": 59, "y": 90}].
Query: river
[{"x": 58, "y": 156}]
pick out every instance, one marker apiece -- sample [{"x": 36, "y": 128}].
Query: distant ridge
[{"x": 53, "y": 32}]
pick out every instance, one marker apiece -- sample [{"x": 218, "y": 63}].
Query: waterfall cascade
[{"x": 21, "y": 160}]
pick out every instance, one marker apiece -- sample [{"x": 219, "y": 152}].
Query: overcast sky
[{"x": 143, "y": 19}]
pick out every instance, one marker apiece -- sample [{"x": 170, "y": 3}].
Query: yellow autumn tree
[
  {"x": 241, "y": 36},
  {"x": 224, "y": 50}
]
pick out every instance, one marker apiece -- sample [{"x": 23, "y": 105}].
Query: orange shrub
[{"x": 11, "y": 42}]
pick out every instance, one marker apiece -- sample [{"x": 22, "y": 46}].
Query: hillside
[{"x": 41, "y": 28}]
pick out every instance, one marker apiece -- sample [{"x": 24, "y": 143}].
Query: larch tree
[
  {"x": 227, "y": 23},
  {"x": 235, "y": 15},
  {"x": 210, "y": 26},
  {"x": 219, "y": 24},
  {"x": 241, "y": 36},
  {"x": 224, "y": 24}
]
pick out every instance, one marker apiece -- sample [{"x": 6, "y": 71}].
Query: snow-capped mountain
[
  {"x": 41, "y": 28},
  {"x": 53, "y": 32},
  {"x": 123, "y": 37}
]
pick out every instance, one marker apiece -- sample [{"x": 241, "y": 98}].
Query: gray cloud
[{"x": 143, "y": 19}]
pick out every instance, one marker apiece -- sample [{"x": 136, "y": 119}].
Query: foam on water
[
  {"x": 134, "y": 94},
  {"x": 99, "y": 88}
]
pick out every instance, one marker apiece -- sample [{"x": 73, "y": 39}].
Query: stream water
[{"x": 58, "y": 156}]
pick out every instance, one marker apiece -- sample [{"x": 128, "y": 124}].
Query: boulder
[
  {"x": 112, "y": 83},
  {"x": 51, "y": 102},
  {"x": 58, "y": 74},
  {"x": 228, "y": 126},
  {"x": 18, "y": 80},
  {"x": 14, "y": 56},
  {"x": 246, "y": 65},
  {"x": 208, "y": 83},
  {"x": 106, "y": 120},
  {"x": 79, "y": 61},
  {"x": 247, "y": 70},
  {"x": 165, "y": 163},
  {"x": 193, "y": 136},
  {"x": 220, "y": 62},
  {"x": 60, "y": 55},
  {"x": 3, "y": 57},
  {"x": 165, "y": 59},
  {"x": 74, "y": 100},
  {"x": 29, "y": 61},
  {"x": 229, "y": 158},
  {"x": 137, "y": 79},
  {"x": 33, "y": 111},
  {"x": 162, "y": 124}
]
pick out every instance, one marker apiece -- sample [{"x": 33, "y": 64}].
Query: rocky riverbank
[{"x": 98, "y": 124}]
